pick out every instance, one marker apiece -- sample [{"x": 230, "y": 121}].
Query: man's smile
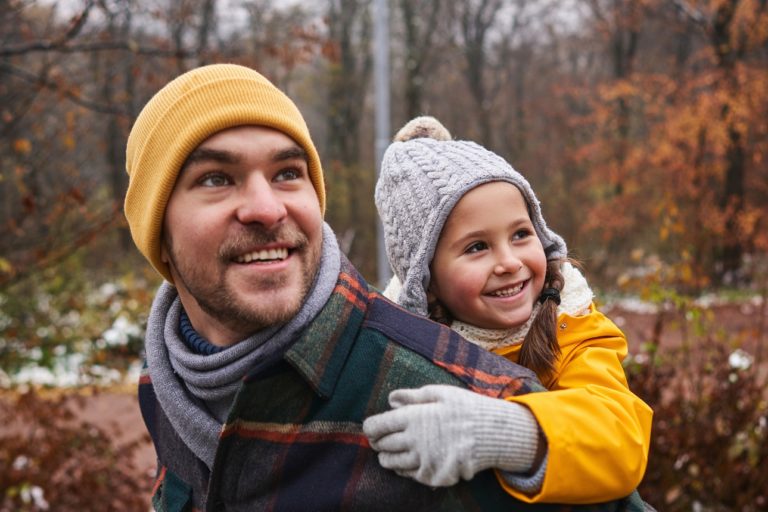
[{"x": 264, "y": 255}]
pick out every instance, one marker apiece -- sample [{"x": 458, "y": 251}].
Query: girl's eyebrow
[
  {"x": 459, "y": 243},
  {"x": 473, "y": 234},
  {"x": 480, "y": 233}
]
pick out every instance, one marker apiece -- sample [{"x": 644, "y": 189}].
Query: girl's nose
[
  {"x": 260, "y": 204},
  {"x": 507, "y": 263}
]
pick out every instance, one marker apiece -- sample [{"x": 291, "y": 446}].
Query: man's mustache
[{"x": 252, "y": 237}]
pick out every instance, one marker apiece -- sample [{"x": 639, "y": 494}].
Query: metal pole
[{"x": 382, "y": 134}]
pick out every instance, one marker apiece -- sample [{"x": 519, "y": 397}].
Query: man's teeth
[
  {"x": 506, "y": 292},
  {"x": 263, "y": 255}
]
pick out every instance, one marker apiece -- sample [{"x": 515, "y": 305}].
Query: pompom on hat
[
  {"x": 179, "y": 118},
  {"x": 423, "y": 175}
]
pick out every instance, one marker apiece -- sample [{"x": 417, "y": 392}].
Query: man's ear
[{"x": 164, "y": 257}]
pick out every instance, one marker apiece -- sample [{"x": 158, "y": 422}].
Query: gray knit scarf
[{"x": 196, "y": 391}]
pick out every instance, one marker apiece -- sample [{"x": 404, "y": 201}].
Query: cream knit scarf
[{"x": 575, "y": 299}]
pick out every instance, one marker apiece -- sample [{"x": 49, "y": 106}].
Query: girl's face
[{"x": 489, "y": 264}]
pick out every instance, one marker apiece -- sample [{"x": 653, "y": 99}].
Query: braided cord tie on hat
[{"x": 552, "y": 294}]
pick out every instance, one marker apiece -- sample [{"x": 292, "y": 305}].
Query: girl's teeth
[{"x": 508, "y": 291}]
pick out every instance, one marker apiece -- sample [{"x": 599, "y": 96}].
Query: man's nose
[{"x": 259, "y": 203}]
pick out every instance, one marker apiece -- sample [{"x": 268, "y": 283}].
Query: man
[{"x": 265, "y": 349}]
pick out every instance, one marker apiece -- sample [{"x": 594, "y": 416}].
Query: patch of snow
[
  {"x": 121, "y": 332},
  {"x": 134, "y": 372},
  {"x": 636, "y": 305},
  {"x": 34, "y": 495},
  {"x": 67, "y": 371},
  {"x": 107, "y": 290},
  {"x": 740, "y": 360},
  {"x": 20, "y": 462}
]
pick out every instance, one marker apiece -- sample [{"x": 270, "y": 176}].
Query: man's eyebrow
[
  {"x": 211, "y": 155},
  {"x": 290, "y": 154}
]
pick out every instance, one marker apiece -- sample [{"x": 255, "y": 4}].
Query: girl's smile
[
  {"x": 508, "y": 291},
  {"x": 488, "y": 270}
]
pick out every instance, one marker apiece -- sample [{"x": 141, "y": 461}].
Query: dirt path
[{"x": 118, "y": 412}]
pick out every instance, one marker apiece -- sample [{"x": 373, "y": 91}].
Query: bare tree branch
[
  {"x": 43, "y": 82},
  {"x": 78, "y": 22},
  {"x": 101, "y": 46},
  {"x": 691, "y": 13},
  {"x": 58, "y": 249},
  {"x": 206, "y": 23}
]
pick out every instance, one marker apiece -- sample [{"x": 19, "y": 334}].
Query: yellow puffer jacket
[{"x": 597, "y": 430}]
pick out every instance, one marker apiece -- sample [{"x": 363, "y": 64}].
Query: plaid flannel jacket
[{"x": 293, "y": 440}]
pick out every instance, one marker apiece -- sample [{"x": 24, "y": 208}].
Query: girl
[{"x": 469, "y": 247}]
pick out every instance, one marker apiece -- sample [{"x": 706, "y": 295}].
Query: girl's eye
[
  {"x": 476, "y": 247},
  {"x": 521, "y": 234},
  {"x": 214, "y": 179}
]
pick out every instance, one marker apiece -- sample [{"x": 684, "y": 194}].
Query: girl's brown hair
[{"x": 540, "y": 348}]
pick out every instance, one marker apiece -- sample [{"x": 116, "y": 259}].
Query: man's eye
[
  {"x": 214, "y": 180},
  {"x": 288, "y": 174},
  {"x": 476, "y": 247}
]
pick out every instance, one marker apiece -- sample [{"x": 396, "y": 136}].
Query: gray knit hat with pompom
[{"x": 423, "y": 175}]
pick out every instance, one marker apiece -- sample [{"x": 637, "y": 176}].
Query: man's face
[{"x": 242, "y": 232}]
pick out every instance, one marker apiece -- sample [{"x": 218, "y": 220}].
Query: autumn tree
[
  {"x": 349, "y": 63},
  {"x": 46, "y": 186},
  {"x": 736, "y": 34},
  {"x": 689, "y": 177},
  {"x": 424, "y": 27},
  {"x": 281, "y": 43},
  {"x": 70, "y": 86},
  {"x": 475, "y": 20}
]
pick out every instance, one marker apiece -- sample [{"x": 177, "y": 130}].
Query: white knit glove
[{"x": 438, "y": 434}]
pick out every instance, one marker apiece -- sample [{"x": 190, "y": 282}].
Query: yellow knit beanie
[{"x": 180, "y": 117}]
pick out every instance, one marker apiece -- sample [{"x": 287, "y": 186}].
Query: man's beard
[{"x": 220, "y": 302}]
